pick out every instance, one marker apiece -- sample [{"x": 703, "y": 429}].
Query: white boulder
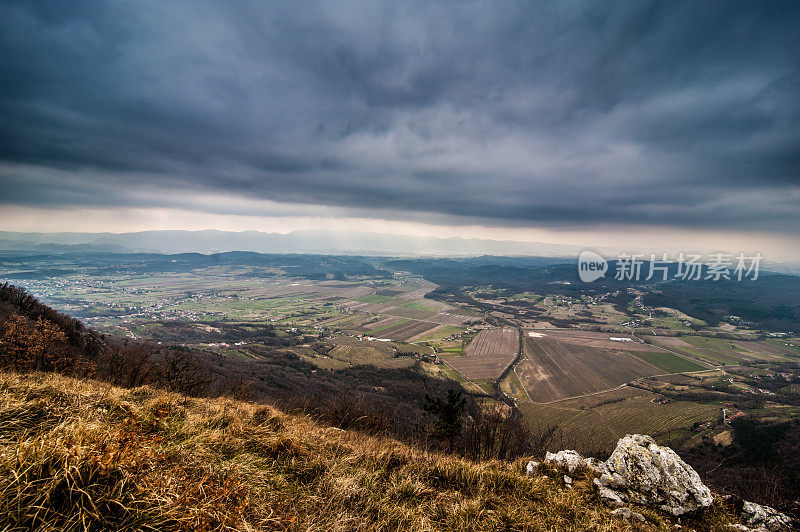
[
  {"x": 756, "y": 515},
  {"x": 571, "y": 461},
  {"x": 642, "y": 472},
  {"x": 532, "y": 469}
]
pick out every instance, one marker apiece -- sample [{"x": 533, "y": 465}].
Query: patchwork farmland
[{"x": 489, "y": 353}]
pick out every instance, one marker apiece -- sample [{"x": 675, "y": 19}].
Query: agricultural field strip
[
  {"x": 460, "y": 375},
  {"x": 514, "y": 369},
  {"x": 494, "y": 341},
  {"x": 565, "y": 409},
  {"x": 426, "y": 333},
  {"x": 441, "y": 318},
  {"x": 716, "y": 354},
  {"x": 380, "y": 322},
  {"x": 488, "y": 355},
  {"x": 690, "y": 356},
  {"x": 639, "y": 414},
  {"x": 620, "y": 387},
  {"x": 558, "y": 370},
  {"x": 733, "y": 351},
  {"x": 677, "y": 353},
  {"x": 407, "y": 328}
]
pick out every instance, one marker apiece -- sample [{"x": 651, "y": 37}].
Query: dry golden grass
[{"x": 81, "y": 455}]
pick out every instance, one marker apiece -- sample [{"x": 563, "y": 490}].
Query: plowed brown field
[
  {"x": 488, "y": 354},
  {"x": 554, "y": 369}
]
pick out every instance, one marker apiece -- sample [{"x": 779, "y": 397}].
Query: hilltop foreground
[{"x": 80, "y": 454}]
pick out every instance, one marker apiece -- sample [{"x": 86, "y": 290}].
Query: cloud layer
[{"x": 684, "y": 114}]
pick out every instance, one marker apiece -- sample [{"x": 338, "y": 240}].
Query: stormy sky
[{"x": 572, "y": 115}]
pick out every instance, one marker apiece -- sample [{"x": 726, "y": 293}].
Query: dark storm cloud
[{"x": 673, "y": 113}]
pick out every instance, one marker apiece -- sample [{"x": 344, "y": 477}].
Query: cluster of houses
[
  {"x": 367, "y": 338},
  {"x": 728, "y": 418},
  {"x": 759, "y": 390}
]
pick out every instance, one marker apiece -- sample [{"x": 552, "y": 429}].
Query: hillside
[
  {"x": 82, "y": 454},
  {"x": 34, "y": 336}
]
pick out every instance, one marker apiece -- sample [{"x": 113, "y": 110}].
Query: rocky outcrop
[
  {"x": 639, "y": 471},
  {"x": 642, "y": 472},
  {"x": 571, "y": 461},
  {"x": 764, "y": 517}
]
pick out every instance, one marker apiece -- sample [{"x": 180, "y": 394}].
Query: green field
[
  {"x": 668, "y": 362},
  {"x": 373, "y": 299},
  {"x": 512, "y": 387},
  {"x": 419, "y": 305},
  {"x": 717, "y": 349},
  {"x": 486, "y": 386}
]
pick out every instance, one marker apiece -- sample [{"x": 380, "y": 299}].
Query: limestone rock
[
  {"x": 756, "y": 515},
  {"x": 607, "y": 495},
  {"x": 642, "y": 472},
  {"x": 569, "y": 460},
  {"x": 627, "y": 513},
  {"x": 594, "y": 464},
  {"x": 532, "y": 468}
]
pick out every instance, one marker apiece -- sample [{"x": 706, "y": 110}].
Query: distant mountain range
[
  {"x": 326, "y": 242},
  {"x": 305, "y": 241}
]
